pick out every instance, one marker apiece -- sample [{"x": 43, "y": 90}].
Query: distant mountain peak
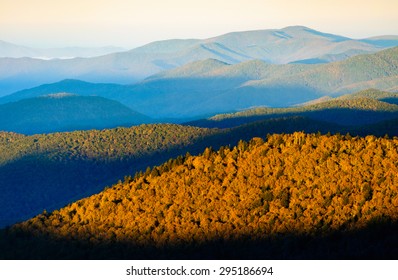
[
  {"x": 306, "y": 31},
  {"x": 295, "y": 28},
  {"x": 277, "y": 46}
]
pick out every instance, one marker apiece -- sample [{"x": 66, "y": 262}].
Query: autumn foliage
[{"x": 306, "y": 184}]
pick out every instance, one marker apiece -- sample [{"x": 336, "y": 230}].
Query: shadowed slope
[
  {"x": 293, "y": 196},
  {"x": 356, "y": 109},
  {"x": 47, "y": 171}
]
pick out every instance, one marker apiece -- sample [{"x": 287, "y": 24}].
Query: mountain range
[
  {"x": 171, "y": 124},
  {"x": 205, "y": 87},
  {"x": 56, "y": 163},
  {"x": 16, "y": 51},
  {"x": 282, "y": 46},
  {"x": 208, "y": 87}
]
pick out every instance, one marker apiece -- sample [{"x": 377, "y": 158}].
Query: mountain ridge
[
  {"x": 139, "y": 63},
  {"x": 11, "y": 50},
  {"x": 205, "y": 88}
]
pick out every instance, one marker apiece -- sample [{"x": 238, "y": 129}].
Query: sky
[{"x": 131, "y": 23}]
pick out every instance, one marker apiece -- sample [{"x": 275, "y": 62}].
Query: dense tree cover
[
  {"x": 289, "y": 190},
  {"x": 359, "y": 103},
  {"x": 107, "y": 144},
  {"x": 47, "y": 171},
  {"x": 361, "y": 108},
  {"x": 64, "y": 167},
  {"x": 371, "y": 93}
]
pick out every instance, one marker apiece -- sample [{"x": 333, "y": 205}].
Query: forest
[
  {"x": 289, "y": 196},
  {"x": 357, "y": 109},
  {"x": 64, "y": 167},
  {"x": 47, "y": 171}
]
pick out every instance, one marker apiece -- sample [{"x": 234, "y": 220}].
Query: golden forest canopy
[{"x": 296, "y": 184}]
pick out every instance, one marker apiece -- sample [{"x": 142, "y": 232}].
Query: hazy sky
[{"x": 130, "y": 23}]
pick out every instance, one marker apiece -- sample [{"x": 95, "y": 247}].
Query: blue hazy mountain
[
  {"x": 204, "y": 88},
  {"x": 382, "y": 41},
  {"x": 16, "y": 51},
  {"x": 111, "y": 91},
  {"x": 65, "y": 112},
  {"x": 280, "y": 46}
]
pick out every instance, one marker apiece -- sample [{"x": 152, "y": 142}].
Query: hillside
[
  {"x": 195, "y": 89},
  {"x": 46, "y": 171},
  {"x": 65, "y": 112},
  {"x": 57, "y": 162},
  {"x": 389, "y": 97},
  {"x": 378, "y": 70},
  {"x": 356, "y": 109},
  {"x": 298, "y": 196},
  {"x": 206, "y": 88},
  {"x": 273, "y": 46}
]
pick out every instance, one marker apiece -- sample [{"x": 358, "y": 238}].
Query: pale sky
[{"x": 131, "y": 23}]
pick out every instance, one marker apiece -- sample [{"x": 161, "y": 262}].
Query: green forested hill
[
  {"x": 389, "y": 97},
  {"x": 46, "y": 171},
  {"x": 360, "y": 109},
  {"x": 290, "y": 196}
]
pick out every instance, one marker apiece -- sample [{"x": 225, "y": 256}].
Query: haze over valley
[{"x": 201, "y": 148}]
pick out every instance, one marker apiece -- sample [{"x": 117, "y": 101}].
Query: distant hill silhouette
[
  {"x": 277, "y": 46},
  {"x": 211, "y": 87},
  {"x": 65, "y": 112},
  {"x": 16, "y": 51},
  {"x": 205, "y": 88},
  {"x": 110, "y": 91}
]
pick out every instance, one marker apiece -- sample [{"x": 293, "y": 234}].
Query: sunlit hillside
[
  {"x": 358, "y": 109},
  {"x": 289, "y": 196}
]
